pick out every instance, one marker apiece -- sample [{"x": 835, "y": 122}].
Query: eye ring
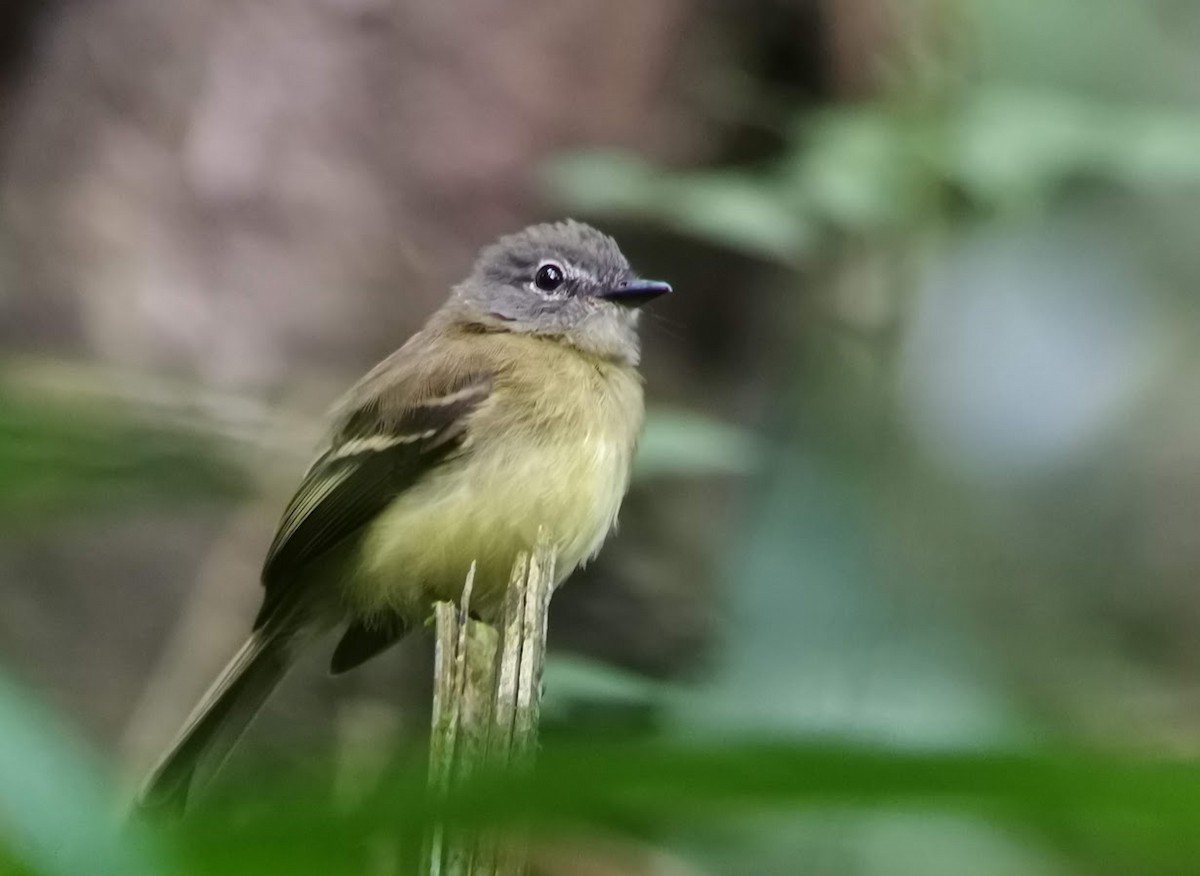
[{"x": 549, "y": 277}]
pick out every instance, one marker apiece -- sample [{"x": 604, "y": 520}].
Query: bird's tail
[{"x": 217, "y": 723}]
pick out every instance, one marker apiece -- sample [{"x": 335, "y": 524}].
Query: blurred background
[{"x": 922, "y": 465}]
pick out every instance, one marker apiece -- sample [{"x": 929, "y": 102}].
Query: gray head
[{"x": 564, "y": 280}]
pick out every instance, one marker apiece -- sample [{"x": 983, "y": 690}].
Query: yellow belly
[
  {"x": 420, "y": 549},
  {"x": 567, "y": 474}
]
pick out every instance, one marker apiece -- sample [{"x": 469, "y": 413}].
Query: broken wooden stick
[{"x": 486, "y": 705}]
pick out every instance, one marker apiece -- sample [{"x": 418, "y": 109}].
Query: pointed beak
[{"x": 635, "y": 293}]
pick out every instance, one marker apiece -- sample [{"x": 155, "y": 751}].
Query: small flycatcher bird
[{"x": 517, "y": 406}]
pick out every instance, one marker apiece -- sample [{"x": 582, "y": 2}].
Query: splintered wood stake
[{"x": 486, "y": 704}]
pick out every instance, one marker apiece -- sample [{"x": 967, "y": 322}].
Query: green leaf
[
  {"x": 659, "y": 786},
  {"x": 735, "y": 210},
  {"x": 683, "y": 443},
  {"x": 1156, "y": 149},
  {"x": 739, "y": 211},
  {"x": 569, "y": 678},
  {"x": 1015, "y": 147},
  {"x": 864, "y": 169},
  {"x": 55, "y": 815},
  {"x": 605, "y": 183}
]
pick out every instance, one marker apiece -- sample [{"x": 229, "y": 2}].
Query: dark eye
[{"x": 549, "y": 277}]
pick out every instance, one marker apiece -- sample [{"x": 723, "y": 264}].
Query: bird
[{"x": 516, "y": 407}]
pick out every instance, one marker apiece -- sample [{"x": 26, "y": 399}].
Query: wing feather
[{"x": 377, "y": 451}]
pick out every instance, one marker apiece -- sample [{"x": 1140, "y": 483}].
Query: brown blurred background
[{"x": 265, "y": 199}]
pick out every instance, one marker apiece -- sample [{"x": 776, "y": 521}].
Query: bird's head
[{"x": 564, "y": 280}]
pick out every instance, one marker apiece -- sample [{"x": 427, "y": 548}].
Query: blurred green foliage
[
  {"x": 57, "y": 818},
  {"x": 59, "y": 457},
  {"x": 1071, "y": 122},
  {"x": 893, "y": 167}
]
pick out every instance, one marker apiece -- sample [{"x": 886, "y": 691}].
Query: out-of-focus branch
[{"x": 237, "y": 420}]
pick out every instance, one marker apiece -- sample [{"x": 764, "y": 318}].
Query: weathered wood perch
[{"x": 487, "y": 693}]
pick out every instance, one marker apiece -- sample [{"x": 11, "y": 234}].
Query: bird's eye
[{"x": 549, "y": 277}]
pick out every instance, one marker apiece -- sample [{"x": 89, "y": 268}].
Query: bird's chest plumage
[{"x": 524, "y": 464}]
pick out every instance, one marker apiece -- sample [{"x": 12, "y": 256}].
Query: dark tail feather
[
  {"x": 217, "y": 722},
  {"x": 362, "y": 641}
]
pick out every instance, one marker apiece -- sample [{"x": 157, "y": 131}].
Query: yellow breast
[{"x": 549, "y": 449}]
